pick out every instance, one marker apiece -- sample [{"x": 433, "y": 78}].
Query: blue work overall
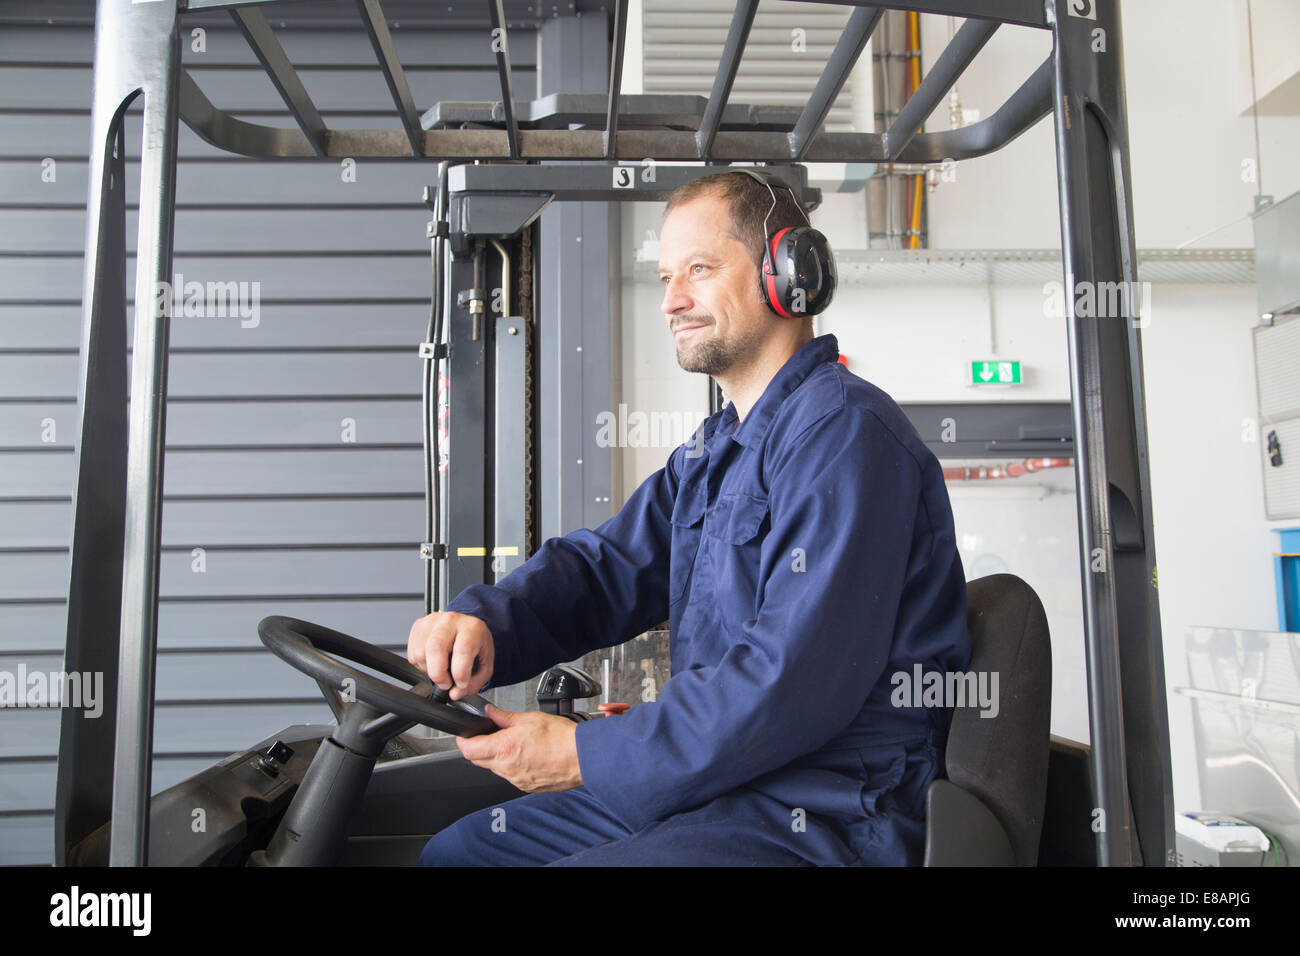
[{"x": 806, "y": 561}]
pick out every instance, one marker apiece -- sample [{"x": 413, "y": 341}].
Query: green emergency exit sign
[{"x": 995, "y": 373}]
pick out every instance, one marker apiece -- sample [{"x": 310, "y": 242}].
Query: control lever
[{"x": 561, "y": 686}]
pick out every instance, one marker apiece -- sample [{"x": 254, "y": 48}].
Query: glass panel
[{"x": 1029, "y": 526}]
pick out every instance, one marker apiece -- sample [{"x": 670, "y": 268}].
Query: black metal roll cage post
[{"x": 104, "y": 766}]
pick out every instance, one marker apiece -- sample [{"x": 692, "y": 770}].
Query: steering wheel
[{"x": 320, "y": 653}]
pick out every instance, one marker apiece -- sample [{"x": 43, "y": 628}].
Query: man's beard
[{"x": 715, "y": 356}]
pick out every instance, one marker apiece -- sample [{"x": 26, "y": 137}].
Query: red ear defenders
[{"x": 798, "y": 267}]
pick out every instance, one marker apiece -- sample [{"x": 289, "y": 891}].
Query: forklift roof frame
[{"x": 118, "y": 491}]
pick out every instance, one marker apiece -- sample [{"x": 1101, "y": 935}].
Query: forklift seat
[{"x": 989, "y": 812}]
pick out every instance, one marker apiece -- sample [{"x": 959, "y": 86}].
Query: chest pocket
[
  {"x": 736, "y": 519},
  {"x": 687, "y": 520}
]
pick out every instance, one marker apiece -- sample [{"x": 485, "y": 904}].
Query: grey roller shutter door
[{"x": 292, "y": 516}]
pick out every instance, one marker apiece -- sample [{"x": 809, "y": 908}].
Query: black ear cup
[
  {"x": 798, "y": 266},
  {"x": 798, "y": 272}
]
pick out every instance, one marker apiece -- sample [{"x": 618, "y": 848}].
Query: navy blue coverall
[{"x": 803, "y": 559}]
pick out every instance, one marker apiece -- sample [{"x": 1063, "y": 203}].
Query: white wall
[
  {"x": 1188, "y": 141},
  {"x": 1277, "y": 58}
]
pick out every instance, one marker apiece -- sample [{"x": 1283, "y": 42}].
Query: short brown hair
[{"x": 749, "y": 202}]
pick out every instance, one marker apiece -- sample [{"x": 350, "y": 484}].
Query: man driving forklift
[{"x": 801, "y": 547}]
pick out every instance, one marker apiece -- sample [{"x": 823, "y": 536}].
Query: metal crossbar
[
  {"x": 252, "y": 23},
  {"x": 532, "y": 132},
  {"x": 382, "y": 41}
]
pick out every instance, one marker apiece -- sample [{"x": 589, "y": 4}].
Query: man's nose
[{"x": 675, "y": 297}]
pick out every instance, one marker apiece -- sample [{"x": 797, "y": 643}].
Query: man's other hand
[
  {"x": 536, "y": 752},
  {"x": 455, "y": 650}
]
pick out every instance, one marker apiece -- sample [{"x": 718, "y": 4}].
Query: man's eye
[{"x": 698, "y": 268}]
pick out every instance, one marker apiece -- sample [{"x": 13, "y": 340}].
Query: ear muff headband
[{"x": 779, "y": 284}]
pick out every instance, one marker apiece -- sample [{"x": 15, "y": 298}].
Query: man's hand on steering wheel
[
  {"x": 534, "y": 752},
  {"x": 455, "y": 650}
]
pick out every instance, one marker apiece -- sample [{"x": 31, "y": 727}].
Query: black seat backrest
[{"x": 1003, "y": 759}]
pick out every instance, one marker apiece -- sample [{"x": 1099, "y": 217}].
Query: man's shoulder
[{"x": 834, "y": 404}]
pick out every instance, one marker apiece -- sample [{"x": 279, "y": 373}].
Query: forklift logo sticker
[
  {"x": 74, "y": 908},
  {"x": 954, "y": 689},
  {"x": 210, "y": 300},
  {"x": 83, "y": 690}
]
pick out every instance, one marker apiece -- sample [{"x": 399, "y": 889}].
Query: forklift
[{"x": 366, "y": 790}]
